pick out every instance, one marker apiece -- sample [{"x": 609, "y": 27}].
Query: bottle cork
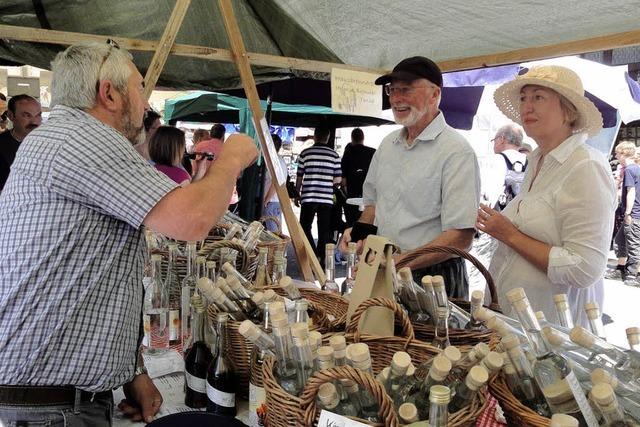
[
  {"x": 493, "y": 361},
  {"x": 553, "y": 337},
  {"x": 484, "y": 314},
  {"x": 279, "y": 320},
  {"x": 438, "y": 282},
  {"x": 602, "y": 394},
  {"x": 315, "y": 339},
  {"x": 302, "y": 305},
  {"x": 477, "y": 297},
  {"x": 510, "y": 341},
  {"x": 563, "y": 420},
  {"x": 540, "y": 316},
  {"x": 439, "y": 394},
  {"x": 359, "y": 352},
  {"x": 338, "y": 342},
  {"x": 427, "y": 282},
  {"x": 285, "y": 282},
  {"x": 248, "y": 330},
  {"x": 477, "y": 377},
  {"x": 599, "y": 375},
  {"x": 453, "y": 354},
  {"x": 328, "y": 395},
  {"x": 400, "y": 362},
  {"x": 270, "y": 295},
  {"x": 408, "y": 413},
  {"x": 516, "y": 294},
  {"x": 633, "y": 335},
  {"x": 405, "y": 274},
  {"x": 276, "y": 307},
  {"x": 258, "y": 298},
  {"x": 560, "y": 298},
  {"x": 228, "y": 268},
  {"x": 582, "y": 337},
  {"x": 300, "y": 330},
  {"x": 325, "y": 353},
  {"x": 440, "y": 368}
]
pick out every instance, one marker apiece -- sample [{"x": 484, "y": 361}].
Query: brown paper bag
[{"x": 374, "y": 279}]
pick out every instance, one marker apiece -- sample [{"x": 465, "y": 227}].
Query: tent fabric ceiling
[{"x": 371, "y": 33}]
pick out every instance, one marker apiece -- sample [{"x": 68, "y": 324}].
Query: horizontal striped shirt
[
  {"x": 72, "y": 254},
  {"x": 318, "y": 165}
]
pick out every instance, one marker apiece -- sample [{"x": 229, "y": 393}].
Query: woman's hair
[
  {"x": 569, "y": 110},
  {"x": 149, "y": 118},
  {"x": 166, "y": 146}
]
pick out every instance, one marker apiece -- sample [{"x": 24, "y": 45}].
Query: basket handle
[
  {"x": 398, "y": 313},
  {"x": 276, "y": 220},
  {"x": 365, "y": 381},
  {"x": 209, "y": 248},
  {"x": 412, "y": 255}
]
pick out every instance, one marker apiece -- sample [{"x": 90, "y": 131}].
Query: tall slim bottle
[
  {"x": 563, "y": 311},
  {"x": 627, "y": 363},
  {"x": 361, "y": 359},
  {"x": 263, "y": 278},
  {"x": 330, "y": 284},
  {"x": 189, "y": 284},
  {"x": 211, "y": 271},
  {"x": 607, "y": 403},
  {"x": 592, "y": 309},
  {"x": 441, "y": 338},
  {"x": 221, "y": 380},
  {"x": 350, "y": 280},
  {"x": 431, "y": 301},
  {"x": 476, "y": 379},
  {"x": 287, "y": 372},
  {"x": 158, "y": 311},
  {"x": 172, "y": 283},
  {"x": 278, "y": 272},
  {"x": 439, "y": 397},
  {"x": 477, "y": 298},
  {"x": 197, "y": 360},
  {"x": 552, "y": 371}
]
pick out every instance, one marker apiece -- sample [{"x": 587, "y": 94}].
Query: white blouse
[{"x": 570, "y": 207}]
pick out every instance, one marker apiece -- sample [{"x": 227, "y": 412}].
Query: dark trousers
[
  {"x": 632, "y": 236},
  {"x": 454, "y": 273},
  {"x": 307, "y": 212}
]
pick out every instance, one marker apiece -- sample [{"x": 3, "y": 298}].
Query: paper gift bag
[{"x": 374, "y": 279}]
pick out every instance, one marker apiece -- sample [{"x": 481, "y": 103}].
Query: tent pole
[
  {"x": 164, "y": 46},
  {"x": 306, "y": 258}
]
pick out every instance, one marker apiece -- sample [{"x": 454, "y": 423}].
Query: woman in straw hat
[{"x": 554, "y": 235}]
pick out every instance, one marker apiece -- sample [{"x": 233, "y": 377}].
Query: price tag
[{"x": 329, "y": 419}]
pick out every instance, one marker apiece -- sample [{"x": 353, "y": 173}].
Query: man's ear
[
  {"x": 10, "y": 115},
  {"x": 108, "y": 96}
]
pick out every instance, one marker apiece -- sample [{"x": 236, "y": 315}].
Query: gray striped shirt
[{"x": 72, "y": 254}]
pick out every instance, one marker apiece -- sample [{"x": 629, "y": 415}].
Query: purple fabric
[
  {"x": 634, "y": 87},
  {"x": 481, "y": 76},
  {"x": 177, "y": 174}
]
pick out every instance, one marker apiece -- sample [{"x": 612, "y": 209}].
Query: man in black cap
[{"x": 423, "y": 185}]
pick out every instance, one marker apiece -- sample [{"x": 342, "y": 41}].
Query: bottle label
[
  {"x": 174, "y": 325},
  {"x": 257, "y": 405},
  {"x": 146, "y": 325},
  {"x": 228, "y": 400},
  {"x": 585, "y": 408},
  {"x": 195, "y": 383}
]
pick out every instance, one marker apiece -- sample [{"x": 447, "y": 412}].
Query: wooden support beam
[
  {"x": 164, "y": 47},
  {"x": 306, "y": 258}
]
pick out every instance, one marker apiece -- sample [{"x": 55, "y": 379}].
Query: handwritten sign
[
  {"x": 354, "y": 92},
  {"x": 329, "y": 419},
  {"x": 281, "y": 174}
]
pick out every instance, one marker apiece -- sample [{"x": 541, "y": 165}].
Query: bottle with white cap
[
  {"x": 607, "y": 403},
  {"x": 303, "y": 356},
  {"x": 359, "y": 357},
  {"x": 531, "y": 393},
  {"x": 315, "y": 342},
  {"x": 188, "y": 287},
  {"x": 430, "y": 297},
  {"x": 460, "y": 367},
  {"x": 251, "y": 235},
  {"x": 233, "y": 231},
  {"x": 278, "y": 271},
  {"x": 442, "y": 300},
  {"x": 286, "y": 368},
  {"x": 408, "y": 413},
  {"x": 350, "y": 281},
  {"x": 437, "y": 375},
  {"x": 633, "y": 337},
  {"x": 563, "y": 420},
  {"x": 439, "y": 398},
  {"x": 441, "y": 338},
  {"x": 552, "y": 371},
  {"x": 211, "y": 270},
  {"x": 627, "y": 392},
  {"x": 263, "y": 278},
  {"x": 626, "y": 362},
  {"x": 301, "y": 312},
  {"x": 492, "y": 362},
  {"x": 475, "y": 380},
  {"x": 330, "y": 401},
  {"x": 330, "y": 284},
  {"x": 592, "y": 309},
  {"x": 475, "y": 324},
  {"x": 411, "y": 298},
  {"x": 230, "y": 270},
  {"x": 563, "y": 311},
  {"x": 286, "y": 283},
  {"x": 397, "y": 373}
]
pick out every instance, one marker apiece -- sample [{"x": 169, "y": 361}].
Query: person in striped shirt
[{"x": 318, "y": 172}]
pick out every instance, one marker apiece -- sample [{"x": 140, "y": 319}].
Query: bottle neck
[
  {"x": 197, "y": 329},
  {"x": 191, "y": 259},
  {"x": 564, "y": 315},
  {"x": 222, "y": 333},
  {"x": 597, "y": 327},
  {"x": 531, "y": 327},
  {"x": 351, "y": 266},
  {"x": 438, "y": 414}
]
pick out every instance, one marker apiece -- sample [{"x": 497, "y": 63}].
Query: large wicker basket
[
  {"x": 516, "y": 413},
  {"x": 457, "y": 336}
]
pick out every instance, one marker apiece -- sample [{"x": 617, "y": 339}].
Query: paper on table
[
  {"x": 163, "y": 363},
  {"x": 329, "y": 419}
]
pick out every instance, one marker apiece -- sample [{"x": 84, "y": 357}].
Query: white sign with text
[{"x": 354, "y": 92}]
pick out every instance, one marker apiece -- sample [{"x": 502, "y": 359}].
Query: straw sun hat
[{"x": 560, "y": 79}]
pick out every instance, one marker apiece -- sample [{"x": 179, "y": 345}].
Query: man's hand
[
  {"x": 143, "y": 400},
  {"x": 297, "y": 200},
  {"x": 239, "y": 148},
  {"x": 627, "y": 219},
  {"x": 346, "y": 239}
]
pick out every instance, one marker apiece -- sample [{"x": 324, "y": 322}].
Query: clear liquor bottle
[
  {"x": 292, "y": 291},
  {"x": 211, "y": 271},
  {"x": 439, "y": 398},
  {"x": 626, "y": 363},
  {"x": 172, "y": 283},
  {"x": 158, "y": 310},
  {"x": 286, "y": 368},
  {"x": 221, "y": 380},
  {"x": 397, "y": 373},
  {"x": 201, "y": 268},
  {"x": 303, "y": 356},
  {"x": 492, "y": 362},
  {"x": 563, "y": 420},
  {"x": 350, "y": 281},
  {"x": 189, "y": 284},
  {"x": 441, "y": 338},
  {"x": 437, "y": 375},
  {"x": 230, "y": 270},
  {"x": 263, "y": 278},
  {"x": 592, "y": 309},
  {"x": 475, "y": 324},
  {"x": 475, "y": 380},
  {"x": 197, "y": 360},
  {"x": 330, "y": 400},
  {"x": 302, "y": 316},
  {"x": 278, "y": 272},
  {"x": 361, "y": 359},
  {"x": 442, "y": 300},
  {"x": 413, "y": 296},
  {"x": 563, "y": 311},
  {"x": 330, "y": 284},
  {"x": 607, "y": 403},
  {"x": 430, "y": 302},
  {"x": 233, "y": 231},
  {"x": 251, "y": 236},
  {"x": 552, "y": 371}
]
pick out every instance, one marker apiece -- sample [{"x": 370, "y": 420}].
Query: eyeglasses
[
  {"x": 199, "y": 156},
  {"x": 112, "y": 45},
  {"x": 402, "y": 91}
]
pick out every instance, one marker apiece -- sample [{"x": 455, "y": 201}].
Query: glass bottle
[
  {"x": 251, "y": 236},
  {"x": 408, "y": 413},
  {"x": 552, "y": 371},
  {"x": 302, "y": 316},
  {"x": 330, "y": 400},
  {"x": 197, "y": 360},
  {"x": 158, "y": 309},
  {"x": 302, "y": 353},
  {"x": 492, "y": 362},
  {"x": 441, "y": 338},
  {"x": 339, "y": 345},
  {"x": 442, "y": 301},
  {"x": 286, "y": 368},
  {"x": 439, "y": 397},
  {"x": 613, "y": 415},
  {"x": 201, "y": 269},
  {"x": 413, "y": 296},
  {"x": 361, "y": 359},
  {"x": 292, "y": 291},
  {"x": 477, "y": 298},
  {"x": 397, "y": 373},
  {"x": 440, "y": 368},
  {"x": 563, "y": 311},
  {"x": 233, "y": 231},
  {"x": 211, "y": 271},
  {"x": 453, "y": 354},
  {"x": 330, "y": 284},
  {"x": 189, "y": 284},
  {"x": 625, "y": 362},
  {"x": 221, "y": 380},
  {"x": 221, "y": 300},
  {"x": 172, "y": 283},
  {"x": 278, "y": 271},
  {"x": 431, "y": 303},
  {"x": 633, "y": 337},
  {"x": 595, "y": 319},
  {"x": 350, "y": 281},
  {"x": 230, "y": 270},
  {"x": 476, "y": 379},
  {"x": 263, "y": 278}
]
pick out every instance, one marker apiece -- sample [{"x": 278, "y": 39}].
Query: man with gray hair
[
  {"x": 510, "y": 164},
  {"x": 72, "y": 247},
  {"x": 423, "y": 184}
]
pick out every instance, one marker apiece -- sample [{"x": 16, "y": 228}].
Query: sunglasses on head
[{"x": 199, "y": 156}]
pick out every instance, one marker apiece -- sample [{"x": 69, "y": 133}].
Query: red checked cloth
[{"x": 488, "y": 417}]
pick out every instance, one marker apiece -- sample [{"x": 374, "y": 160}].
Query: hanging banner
[{"x": 354, "y": 92}]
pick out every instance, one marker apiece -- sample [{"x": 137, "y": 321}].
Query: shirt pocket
[
  {"x": 423, "y": 198},
  {"x": 536, "y": 217}
]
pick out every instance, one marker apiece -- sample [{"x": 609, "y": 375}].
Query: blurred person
[
  {"x": 166, "y": 150},
  {"x": 72, "y": 245},
  {"x": 270, "y": 202},
  {"x": 554, "y": 236},
  {"x": 151, "y": 124},
  {"x": 509, "y": 165},
  {"x": 423, "y": 184},
  {"x": 355, "y": 165},
  {"x": 25, "y": 114},
  {"x": 199, "y": 135},
  {"x": 525, "y": 148},
  {"x": 3, "y": 103}
]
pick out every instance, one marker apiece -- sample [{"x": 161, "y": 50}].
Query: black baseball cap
[{"x": 410, "y": 69}]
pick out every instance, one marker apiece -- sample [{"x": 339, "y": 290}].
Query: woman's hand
[{"x": 495, "y": 224}]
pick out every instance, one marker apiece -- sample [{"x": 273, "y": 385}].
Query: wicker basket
[
  {"x": 241, "y": 350},
  {"x": 457, "y": 336},
  {"x": 516, "y": 413}
]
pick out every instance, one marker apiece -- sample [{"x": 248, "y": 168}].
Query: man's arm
[
  {"x": 189, "y": 213},
  {"x": 368, "y": 216},
  {"x": 631, "y": 199}
]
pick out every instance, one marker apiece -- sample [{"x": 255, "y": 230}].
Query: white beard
[{"x": 411, "y": 119}]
